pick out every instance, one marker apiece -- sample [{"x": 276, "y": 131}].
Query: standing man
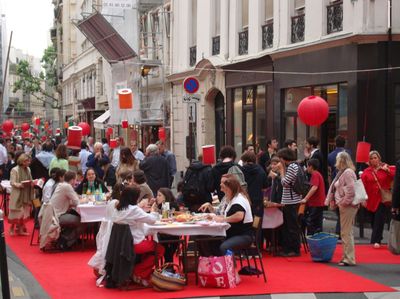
[
  {"x": 90, "y": 143},
  {"x": 84, "y": 155},
  {"x": 170, "y": 157},
  {"x": 311, "y": 151},
  {"x": 156, "y": 169},
  {"x": 340, "y": 143},
  {"x": 292, "y": 144},
  {"x": 106, "y": 147},
  {"x": 36, "y": 149},
  {"x": 136, "y": 152},
  {"x": 265, "y": 157},
  {"x": 27, "y": 146},
  {"x": 114, "y": 154}
]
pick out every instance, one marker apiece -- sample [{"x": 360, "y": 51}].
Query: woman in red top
[{"x": 383, "y": 173}]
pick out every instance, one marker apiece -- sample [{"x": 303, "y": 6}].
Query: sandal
[{"x": 345, "y": 264}]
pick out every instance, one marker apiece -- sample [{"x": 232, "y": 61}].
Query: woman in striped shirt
[{"x": 290, "y": 201}]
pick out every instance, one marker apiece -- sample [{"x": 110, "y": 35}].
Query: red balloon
[
  {"x": 124, "y": 124},
  {"x": 85, "y": 128},
  {"x": 37, "y": 121},
  {"x": 25, "y": 127},
  {"x": 8, "y": 125},
  {"x": 313, "y": 110}
]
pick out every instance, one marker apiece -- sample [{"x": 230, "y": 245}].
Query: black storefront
[{"x": 360, "y": 103}]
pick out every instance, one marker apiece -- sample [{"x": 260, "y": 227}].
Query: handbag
[
  {"x": 36, "y": 203},
  {"x": 386, "y": 195},
  {"x": 217, "y": 272},
  {"x": 360, "y": 193},
  {"x": 167, "y": 281}
]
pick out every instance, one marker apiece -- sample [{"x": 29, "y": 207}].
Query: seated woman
[
  {"x": 127, "y": 212},
  {"x": 91, "y": 184},
  {"x": 63, "y": 200},
  {"x": 164, "y": 195},
  {"x": 56, "y": 176},
  {"x": 236, "y": 212}
]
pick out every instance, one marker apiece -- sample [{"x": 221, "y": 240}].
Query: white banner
[{"x": 124, "y": 4}]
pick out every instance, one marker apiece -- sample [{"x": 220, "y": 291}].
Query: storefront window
[
  {"x": 260, "y": 117},
  {"x": 237, "y": 120}
]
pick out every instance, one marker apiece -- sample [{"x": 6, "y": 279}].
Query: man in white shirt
[
  {"x": 3, "y": 157},
  {"x": 90, "y": 143},
  {"x": 136, "y": 152},
  {"x": 84, "y": 155},
  {"x": 115, "y": 154}
]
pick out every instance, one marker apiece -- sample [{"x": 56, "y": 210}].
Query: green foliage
[{"x": 30, "y": 84}]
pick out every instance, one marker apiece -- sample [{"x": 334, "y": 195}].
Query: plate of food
[{"x": 204, "y": 223}]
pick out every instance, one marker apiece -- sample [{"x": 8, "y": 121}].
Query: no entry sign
[{"x": 191, "y": 85}]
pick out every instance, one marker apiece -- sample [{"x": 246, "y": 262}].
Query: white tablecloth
[
  {"x": 6, "y": 185},
  {"x": 179, "y": 229},
  {"x": 91, "y": 213}
]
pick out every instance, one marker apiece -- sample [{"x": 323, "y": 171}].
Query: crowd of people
[{"x": 138, "y": 185}]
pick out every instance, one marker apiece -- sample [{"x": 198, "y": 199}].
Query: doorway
[{"x": 219, "y": 103}]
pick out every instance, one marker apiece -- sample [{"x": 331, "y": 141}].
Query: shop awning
[{"x": 99, "y": 122}]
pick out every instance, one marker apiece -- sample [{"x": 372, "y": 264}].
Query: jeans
[
  {"x": 314, "y": 217},
  {"x": 378, "y": 223},
  {"x": 236, "y": 243},
  {"x": 290, "y": 229}
]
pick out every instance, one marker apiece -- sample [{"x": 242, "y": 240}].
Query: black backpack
[
  {"x": 301, "y": 184},
  {"x": 192, "y": 184}
]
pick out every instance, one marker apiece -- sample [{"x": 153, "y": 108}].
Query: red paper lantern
[
  {"x": 125, "y": 98},
  {"x": 37, "y": 121},
  {"x": 26, "y": 135},
  {"x": 58, "y": 131},
  {"x": 113, "y": 143},
  {"x": 74, "y": 137},
  {"x": 85, "y": 128},
  {"x": 124, "y": 124},
  {"x": 363, "y": 149},
  {"x": 313, "y": 110},
  {"x": 208, "y": 154},
  {"x": 8, "y": 125},
  {"x": 109, "y": 131},
  {"x": 161, "y": 133},
  {"x": 25, "y": 127}
]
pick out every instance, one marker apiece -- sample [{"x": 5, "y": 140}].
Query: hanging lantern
[
  {"x": 46, "y": 125},
  {"x": 208, "y": 154},
  {"x": 313, "y": 110},
  {"x": 25, "y": 127},
  {"x": 8, "y": 125},
  {"x": 113, "y": 143},
  {"x": 85, "y": 128},
  {"x": 124, "y": 124},
  {"x": 362, "y": 154},
  {"x": 37, "y": 121},
  {"x": 74, "y": 137},
  {"x": 109, "y": 131},
  {"x": 66, "y": 125},
  {"x": 125, "y": 98},
  {"x": 161, "y": 133},
  {"x": 58, "y": 131}
]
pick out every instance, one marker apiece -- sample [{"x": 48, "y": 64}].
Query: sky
[{"x": 30, "y": 21}]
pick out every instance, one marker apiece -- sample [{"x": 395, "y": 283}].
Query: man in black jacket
[
  {"x": 156, "y": 169},
  {"x": 265, "y": 157}
]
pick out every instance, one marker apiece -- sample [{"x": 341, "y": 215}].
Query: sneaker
[{"x": 377, "y": 245}]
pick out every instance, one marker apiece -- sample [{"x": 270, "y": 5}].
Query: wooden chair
[{"x": 253, "y": 251}]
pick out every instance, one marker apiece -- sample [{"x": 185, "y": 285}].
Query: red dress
[{"x": 385, "y": 180}]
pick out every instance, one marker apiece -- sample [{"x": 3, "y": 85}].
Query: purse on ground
[{"x": 360, "y": 193}]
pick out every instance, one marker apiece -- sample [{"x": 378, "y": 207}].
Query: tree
[{"x": 30, "y": 84}]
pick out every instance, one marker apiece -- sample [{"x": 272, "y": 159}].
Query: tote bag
[
  {"x": 217, "y": 272},
  {"x": 360, "y": 193}
]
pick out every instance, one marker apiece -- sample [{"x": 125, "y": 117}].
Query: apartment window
[
  {"x": 217, "y": 27},
  {"x": 167, "y": 20},
  {"x": 268, "y": 27},
  {"x": 268, "y": 10},
  {"x": 245, "y": 14},
  {"x": 194, "y": 22},
  {"x": 334, "y": 17},
  {"x": 299, "y": 6},
  {"x": 298, "y": 21}
]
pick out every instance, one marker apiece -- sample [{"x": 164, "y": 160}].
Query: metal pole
[
  {"x": 5, "y": 287},
  {"x": 5, "y": 78}
]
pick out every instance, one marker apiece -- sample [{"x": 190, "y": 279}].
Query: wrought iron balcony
[
  {"x": 267, "y": 35},
  {"x": 244, "y": 42},
  {"x": 192, "y": 55},
  {"x": 298, "y": 25},
  {"x": 335, "y": 17},
  {"x": 215, "y": 45}
]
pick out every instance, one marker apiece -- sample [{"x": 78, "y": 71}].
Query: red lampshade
[
  {"x": 124, "y": 124},
  {"x": 208, "y": 154},
  {"x": 362, "y": 154},
  {"x": 161, "y": 133},
  {"x": 8, "y": 125},
  {"x": 313, "y": 110},
  {"x": 74, "y": 137},
  {"x": 113, "y": 143},
  {"x": 37, "y": 121},
  {"x": 109, "y": 131},
  {"x": 125, "y": 98},
  {"x": 25, "y": 127},
  {"x": 85, "y": 128}
]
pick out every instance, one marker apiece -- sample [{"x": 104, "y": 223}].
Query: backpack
[
  {"x": 191, "y": 184},
  {"x": 301, "y": 184}
]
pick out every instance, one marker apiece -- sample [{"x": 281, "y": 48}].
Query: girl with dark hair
[
  {"x": 127, "y": 212},
  {"x": 91, "y": 184},
  {"x": 127, "y": 162},
  {"x": 56, "y": 175}
]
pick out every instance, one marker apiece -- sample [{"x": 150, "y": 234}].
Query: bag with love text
[{"x": 217, "y": 272}]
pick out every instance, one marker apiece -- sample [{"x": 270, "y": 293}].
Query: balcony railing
[
  {"x": 244, "y": 42},
  {"x": 298, "y": 26},
  {"x": 335, "y": 17},
  {"x": 267, "y": 35},
  {"x": 215, "y": 45},
  {"x": 192, "y": 55}
]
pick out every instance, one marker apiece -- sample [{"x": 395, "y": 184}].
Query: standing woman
[
  {"x": 377, "y": 176},
  {"x": 61, "y": 158},
  {"x": 341, "y": 193},
  {"x": 127, "y": 162},
  {"x": 21, "y": 196}
]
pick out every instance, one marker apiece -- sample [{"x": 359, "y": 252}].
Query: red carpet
[{"x": 66, "y": 275}]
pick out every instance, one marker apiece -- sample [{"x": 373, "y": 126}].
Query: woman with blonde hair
[
  {"x": 21, "y": 197},
  {"x": 341, "y": 193},
  {"x": 377, "y": 176}
]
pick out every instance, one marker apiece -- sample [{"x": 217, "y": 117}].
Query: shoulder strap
[{"x": 376, "y": 180}]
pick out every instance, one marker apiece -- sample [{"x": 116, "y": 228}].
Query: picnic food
[{"x": 183, "y": 218}]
